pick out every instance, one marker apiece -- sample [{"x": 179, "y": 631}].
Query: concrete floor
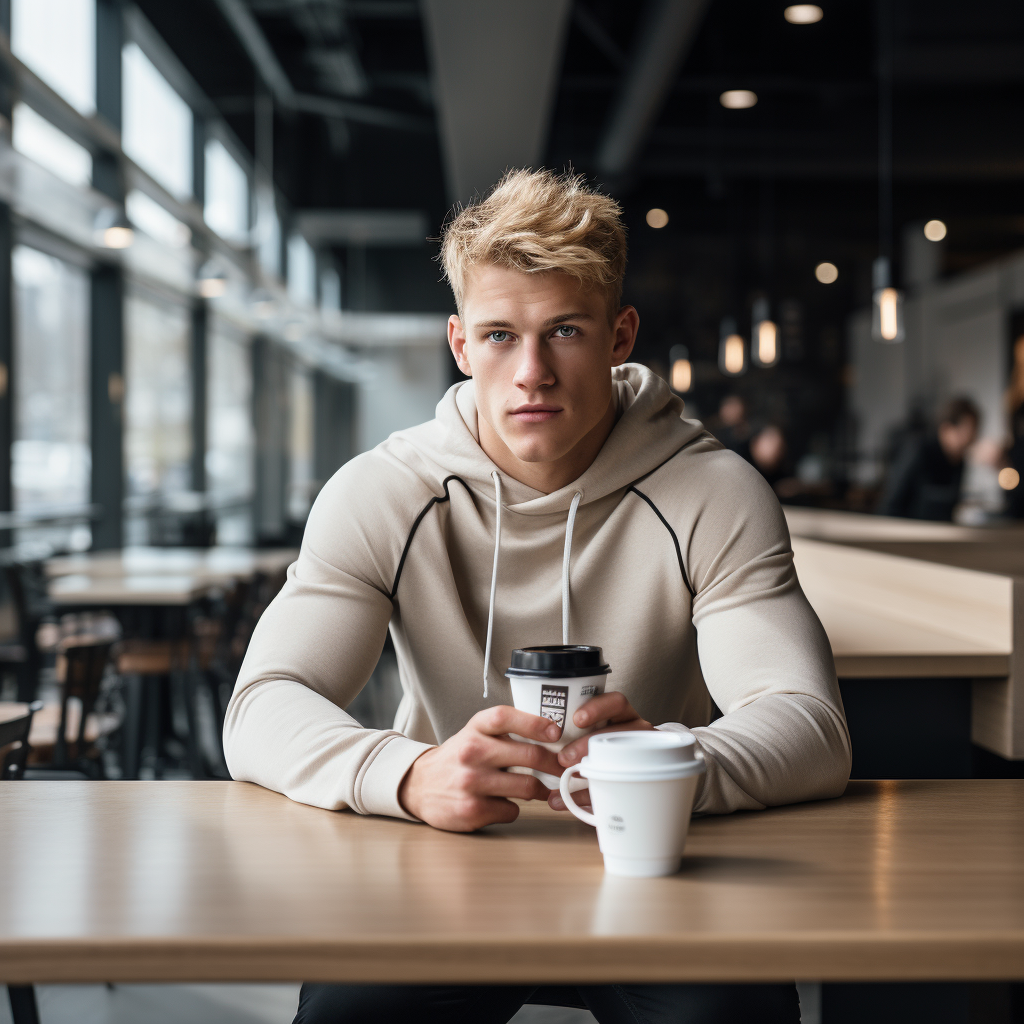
[{"x": 203, "y": 1004}]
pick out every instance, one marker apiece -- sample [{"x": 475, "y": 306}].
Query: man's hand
[
  {"x": 459, "y": 786},
  {"x": 610, "y": 708}
]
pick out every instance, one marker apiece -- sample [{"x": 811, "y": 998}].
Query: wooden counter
[
  {"x": 217, "y": 563},
  {"x": 948, "y": 603},
  {"x": 192, "y": 881}
]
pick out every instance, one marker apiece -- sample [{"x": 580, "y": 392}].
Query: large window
[
  {"x": 158, "y": 406},
  {"x": 231, "y": 441},
  {"x": 300, "y": 455},
  {"x": 227, "y": 194},
  {"x": 157, "y": 128},
  {"x": 50, "y": 454},
  {"x": 37, "y": 139},
  {"x": 301, "y": 272},
  {"x": 57, "y": 40}
]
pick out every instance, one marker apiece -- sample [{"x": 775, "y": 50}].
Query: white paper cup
[
  {"x": 555, "y": 682},
  {"x": 641, "y": 788}
]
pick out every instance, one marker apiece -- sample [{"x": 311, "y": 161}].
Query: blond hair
[{"x": 537, "y": 221}]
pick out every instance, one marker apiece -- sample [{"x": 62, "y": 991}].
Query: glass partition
[
  {"x": 50, "y": 454},
  {"x": 231, "y": 441},
  {"x": 57, "y": 40},
  {"x": 158, "y": 413},
  {"x": 157, "y": 128}
]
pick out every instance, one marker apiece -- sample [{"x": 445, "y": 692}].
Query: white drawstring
[
  {"x": 565, "y": 566},
  {"x": 494, "y": 578}
]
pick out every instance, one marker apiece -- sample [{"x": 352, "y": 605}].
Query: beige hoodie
[{"x": 680, "y": 568}]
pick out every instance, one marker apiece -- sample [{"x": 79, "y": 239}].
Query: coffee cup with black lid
[
  {"x": 555, "y": 682},
  {"x": 642, "y": 784}
]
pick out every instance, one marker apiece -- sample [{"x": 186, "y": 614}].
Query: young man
[{"x": 618, "y": 517}]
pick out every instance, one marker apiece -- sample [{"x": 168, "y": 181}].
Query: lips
[{"x": 535, "y": 413}]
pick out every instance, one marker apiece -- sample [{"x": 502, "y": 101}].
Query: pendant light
[
  {"x": 887, "y": 301},
  {"x": 732, "y": 349},
  {"x": 887, "y": 305},
  {"x": 764, "y": 335},
  {"x": 681, "y": 373},
  {"x": 112, "y": 229}
]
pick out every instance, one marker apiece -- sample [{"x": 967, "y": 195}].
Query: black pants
[{"x": 495, "y": 1004}]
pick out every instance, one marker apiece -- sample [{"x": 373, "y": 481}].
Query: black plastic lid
[{"x": 558, "y": 662}]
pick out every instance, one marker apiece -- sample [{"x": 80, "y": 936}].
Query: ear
[
  {"x": 457, "y": 343},
  {"x": 624, "y": 328}
]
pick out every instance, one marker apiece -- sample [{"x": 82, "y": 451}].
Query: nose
[{"x": 533, "y": 370}]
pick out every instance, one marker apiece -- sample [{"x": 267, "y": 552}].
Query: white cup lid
[{"x": 642, "y": 752}]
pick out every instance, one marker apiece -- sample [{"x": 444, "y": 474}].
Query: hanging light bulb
[
  {"x": 732, "y": 350},
  {"x": 681, "y": 374},
  {"x": 211, "y": 280},
  {"x": 764, "y": 335},
  {"x": 112, "y": 229},
  {"x": 887, "y": 305}
]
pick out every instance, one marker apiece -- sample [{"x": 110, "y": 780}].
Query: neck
[{"x": 547, "y": 477}]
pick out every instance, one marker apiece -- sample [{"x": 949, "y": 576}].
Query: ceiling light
[
  {"x": 803, "y": 14},
  {"x": 764, "y": 343},
  {"x": 657, "y": 218},
  {"x": 682, "y": 369},
  {"x": 1008, "y": 478},
  {"x": 935, "y": 231},
  {"x": 112, "y": 229},
  {"x": 738, "y": 99},
  {"x": 887, "y": 305},
  {"x": 827, "y": 273},
  {"x": 732, "y": 351}
]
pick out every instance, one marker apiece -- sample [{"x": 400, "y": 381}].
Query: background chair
[{"x": 14, "y": 748}]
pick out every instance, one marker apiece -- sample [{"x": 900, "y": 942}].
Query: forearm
[
  {"x": 283, "y": 735},
  {"x": 782, "y": 748}
]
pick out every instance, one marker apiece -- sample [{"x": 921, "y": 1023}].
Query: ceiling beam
[
  {"x": 495, "y": 67},
  {"x": 664, "y": 38}
]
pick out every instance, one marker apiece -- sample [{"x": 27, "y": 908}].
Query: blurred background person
[
  {"x": 1015, "y": 414},
  {"x": 730, "y": 425},
  {"x": 926, "y": 482}
]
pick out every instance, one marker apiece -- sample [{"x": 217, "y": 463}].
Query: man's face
[{"x": 540, "y": 351}]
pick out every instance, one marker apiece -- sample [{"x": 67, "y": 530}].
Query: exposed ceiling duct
[
  {"x": 243, "y": 23},
  {"x": 664, "y": 38},
  {"x": 496, "y": 66}
]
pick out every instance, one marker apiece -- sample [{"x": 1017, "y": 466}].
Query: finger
[
  {"x": 501, "y": 720},
  {"x": 575, "y": 752},
  {"x": 556, "y": 803},
  {"x": 610, "y": 707},
  {"x": 479, "y": 750},
  {"x": 510, "y": 786},
  {"x": 506, "y": 753}
]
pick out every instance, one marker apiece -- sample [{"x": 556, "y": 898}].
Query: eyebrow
[{"x": 553, "y": 322}]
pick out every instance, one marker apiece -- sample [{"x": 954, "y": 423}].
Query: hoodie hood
[{"x": 649, "y": 431}]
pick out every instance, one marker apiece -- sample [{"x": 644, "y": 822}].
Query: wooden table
[
  {"x": 158, "y": 591},
  {"x": 186, "y": 881},
  {"x": 217, "y": 563},
  {"x": 893, "y": 617}
]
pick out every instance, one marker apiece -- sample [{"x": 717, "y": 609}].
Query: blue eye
[
  {"x": 498, "y": 336},
  {"x": 566, "y": 331}
]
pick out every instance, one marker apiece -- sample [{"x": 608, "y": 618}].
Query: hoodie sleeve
[
  {"x": 312, "y": 651},
  {"x": 764, "y": 654}
]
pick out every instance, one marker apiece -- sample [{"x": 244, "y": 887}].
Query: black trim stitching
[
  {"x": 675, "y": 539},
  {"x": 419, "y": 519}
]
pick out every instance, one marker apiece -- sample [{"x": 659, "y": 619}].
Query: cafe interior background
[{"x": 218, "y": 224}]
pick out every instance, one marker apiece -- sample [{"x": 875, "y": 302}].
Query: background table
[{"x": 202, "y": 881}]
